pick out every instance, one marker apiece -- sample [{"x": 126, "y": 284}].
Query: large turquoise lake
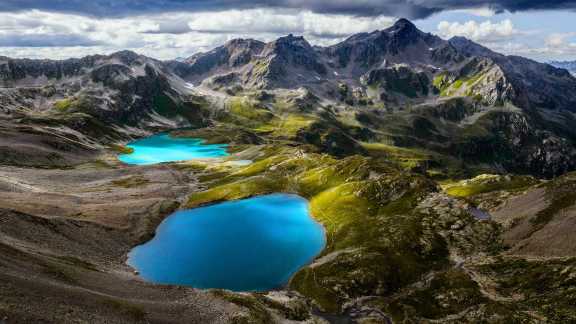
[
  {"x": 255, "y": 244},
  {"x": 165, "y": 148}
]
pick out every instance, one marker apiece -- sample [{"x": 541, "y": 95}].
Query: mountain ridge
[{"x": 400, "y": 74}]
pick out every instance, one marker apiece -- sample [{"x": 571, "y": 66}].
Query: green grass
[
  {"x": 364, "y": 205},
  {"x": 407, "y": 158},
  {"x": 286, "y": 126},
  {"x": 244, "y": 108},
  {"x": 440, "y": 81},
  {"x": 447, "y": 89},
  {"x": 63, "y": 105},
  {"x": 487, "y": 183},
  {"x": 457, "y": 84}
]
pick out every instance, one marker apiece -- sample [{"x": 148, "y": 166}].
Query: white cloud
[
  {"x": 559, "y": 40},
  {"x": 274, "y": 21},
  {"x": 38, "y": 34},
  {"x": 167, "y": 35},
  {"x": 486, "y": 31},
  {"x": 565, "y": 51}
]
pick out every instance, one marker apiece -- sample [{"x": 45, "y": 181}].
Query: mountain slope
[{"x": 84, "y": 104}]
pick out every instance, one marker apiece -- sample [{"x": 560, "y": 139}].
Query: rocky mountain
[
  {"x": 398, "y": 85},
  {"x": 290, "y": 62},
  {"x": 454, "y": 97},
  {"x": 86, "y": 104}
]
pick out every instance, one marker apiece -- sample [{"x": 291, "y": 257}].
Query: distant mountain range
[
  {"x": 398, "y": 85},
  {"x": 568, "y": 65}
]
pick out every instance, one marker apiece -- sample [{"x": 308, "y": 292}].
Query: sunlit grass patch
[{"x": 487, "y": 183}]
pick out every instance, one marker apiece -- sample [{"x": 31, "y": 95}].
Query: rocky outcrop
[{"x": 536, "y": 85}]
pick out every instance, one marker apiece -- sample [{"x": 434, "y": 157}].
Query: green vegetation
[
  {"x": 283, "y": 124},
  {"x": 287, "y": 125},
  {"x": 376, "y": 240},
  {"x": 435, "y": 165},
  {"x": 457, "y": 84},
  {"x": 243, "y": 107},
  {"x": 64, "y": 105},
  {"x": 440, "y": 81},
  {"x": 121, "y": 149},
  {"x": 407, "y": 158},
  {"x": 448, "y": 88},
  {"x": 488, "y": 183},
  {"x": 475, "y": 79}
]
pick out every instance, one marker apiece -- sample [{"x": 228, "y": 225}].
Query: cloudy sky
[{"x": 166, "y": 29}]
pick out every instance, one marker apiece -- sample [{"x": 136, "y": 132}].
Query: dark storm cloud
[{"x": 405, "y": 8}]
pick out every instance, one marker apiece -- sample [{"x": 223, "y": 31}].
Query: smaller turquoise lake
[
  {"x": 165, "y": 148},
  {"x": 254, "y": 244}
]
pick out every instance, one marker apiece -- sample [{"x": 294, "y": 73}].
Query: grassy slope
[{"x": 377, "y": 240}]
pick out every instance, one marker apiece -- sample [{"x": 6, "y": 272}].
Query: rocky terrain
[{"x": 440, "y": 170}]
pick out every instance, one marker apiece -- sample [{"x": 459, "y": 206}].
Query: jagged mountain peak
[
  {"x": 403, "y": 24},
  {"x": 290, "y": 42},
  {"x": 125, "y": 54},
  {"x": 242, "y": 42}
]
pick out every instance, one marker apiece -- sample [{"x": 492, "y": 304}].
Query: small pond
[
  {"x": 254, "y": 244},
  {"x": 162, "y": 147}
]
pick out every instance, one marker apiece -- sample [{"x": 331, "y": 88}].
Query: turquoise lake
[
  {"x": 254, "y": 244},
  {"x": 165, "y": 148}
]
